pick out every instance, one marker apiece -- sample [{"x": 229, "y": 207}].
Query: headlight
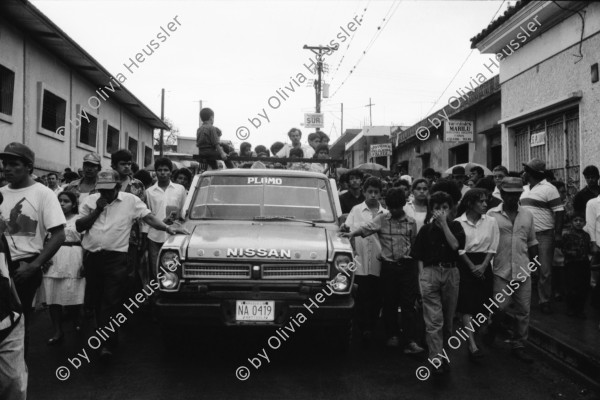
[
  {"x": 170, "y": 281},
  {"x": 343, "y": 262},
  {"x": 340, "y": 283},
  {"x": 170, "y": 260}
]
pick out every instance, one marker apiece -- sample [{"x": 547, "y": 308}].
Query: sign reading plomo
[{"x": 458, "y": 131}]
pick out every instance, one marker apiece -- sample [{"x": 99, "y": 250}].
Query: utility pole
[
  {"x": 370, "y": 105},
  {"x": 342, "y": 130},
  {"x": 318, "y": 51},
  {"x": 199, "y": 118},
  {"x": 162, "y": 118}
]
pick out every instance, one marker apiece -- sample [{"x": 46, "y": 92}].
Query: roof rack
[{"x": 332, "y": 170}]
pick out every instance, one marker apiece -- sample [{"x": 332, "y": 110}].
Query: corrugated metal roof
[{"x": 39, "y": 28}]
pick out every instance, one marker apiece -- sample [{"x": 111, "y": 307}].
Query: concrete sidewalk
[{"x": 572, "y": 341}]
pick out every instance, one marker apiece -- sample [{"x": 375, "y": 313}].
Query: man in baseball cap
[
  {"x": 92, "y": 158},
  {"x": 107, "y": 180},
  {"x": 544, "y": 202},
  {"x": 87, "y": 184},
  {"x": 107, "y": 242},
  {"x": 18, "y": 150},
  {"x": 516, "y": 248},
  {"x": 29, "y": 212}
]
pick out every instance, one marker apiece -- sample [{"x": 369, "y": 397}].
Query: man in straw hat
[{"x": 543, "y": 201}]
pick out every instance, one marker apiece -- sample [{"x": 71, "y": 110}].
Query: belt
[
  {"x": 99, "y": 252},
  {"x": 71, "y": 244},
  {"x": 443, "y": 264},
  {"x": 402, "y": 261}
]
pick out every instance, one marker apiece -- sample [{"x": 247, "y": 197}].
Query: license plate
[{"x": 247, "y": 310}]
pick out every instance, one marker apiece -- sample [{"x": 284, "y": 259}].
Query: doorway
[{"x": 459, "y": 154}]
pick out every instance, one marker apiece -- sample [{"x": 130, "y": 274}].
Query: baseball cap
[
  {"x": 536, "y": 165},
  {"x": 92, "y": 158},
  {"x": 511, "y": 184},
  {"x": 19, "y": 150},
  {"x": 107, "y": 179}
]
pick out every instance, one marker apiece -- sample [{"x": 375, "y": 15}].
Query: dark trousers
[
  {"x": 368, "y": 301},
  {"x": 107, "y": 282},
  {"x": 153, "y": 250},
  {"x": 577, "y": 284},
  {"x": 399, "y": 283},
  {"x": 210, "y": 155},
  {"x": 26, "y": 290}
]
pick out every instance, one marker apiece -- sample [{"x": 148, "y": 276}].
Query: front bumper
[{"x": 333, "y": 311}]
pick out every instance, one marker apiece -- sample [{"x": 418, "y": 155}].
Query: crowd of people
[
  {"x": 211, "y": 149},
  {"x": 431, "y": 247},
  {"x": 444, "y": 248},
  {"x": 78, "y": 246}
]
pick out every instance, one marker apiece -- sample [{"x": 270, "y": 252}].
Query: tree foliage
[{"x": 170, "y": 136}]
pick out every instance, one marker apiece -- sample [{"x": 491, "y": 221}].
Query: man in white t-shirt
[
  {"x": 30, "y": 210},
  {"x": 543, "y": 201},
  {"x": 295, "y": 135},
  {"x": 165, "y": 199}
]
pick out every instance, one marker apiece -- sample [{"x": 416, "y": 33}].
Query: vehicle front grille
[
  {"x": 216, "y": 271},
  {"x": 294, "y": 271}
]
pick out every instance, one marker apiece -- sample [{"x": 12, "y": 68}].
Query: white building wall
[
  {"x": 35, "y": 68},
  {"x": 545, "y": 70}
]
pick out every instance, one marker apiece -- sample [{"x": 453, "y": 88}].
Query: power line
[
  {"x": 461, "y": 66},
  {"x": 452, "y": 80},
  {"x": 349, "y": 43},
  {"x": 380, "y": 29}
]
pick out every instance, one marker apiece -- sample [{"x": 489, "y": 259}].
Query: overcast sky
[{"x": 235, "y": 55}]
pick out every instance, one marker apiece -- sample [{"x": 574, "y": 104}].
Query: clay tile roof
[{"x": 510, "y": 11}]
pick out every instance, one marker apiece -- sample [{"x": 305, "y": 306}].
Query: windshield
[{"x": 247, "y": 197}]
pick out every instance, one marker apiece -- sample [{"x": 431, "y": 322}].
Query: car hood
[{"x": 258, "y": 241}]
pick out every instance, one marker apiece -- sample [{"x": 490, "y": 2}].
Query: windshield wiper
[{"x": 281, "y": 218}]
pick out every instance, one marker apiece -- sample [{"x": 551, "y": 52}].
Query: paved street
[{"x": 302, "y": 368}]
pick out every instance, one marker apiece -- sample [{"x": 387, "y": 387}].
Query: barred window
[
  {"x": 555, "y": 140},
  {"x": 133, "y": 148},
  {"x": 53, "y": 112},
  {"x": 88, "y": 130},
  {"x": 112, "y": 140},
  {"x": 7, "y": 88},
  {"x": 148, "y": 152}
]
